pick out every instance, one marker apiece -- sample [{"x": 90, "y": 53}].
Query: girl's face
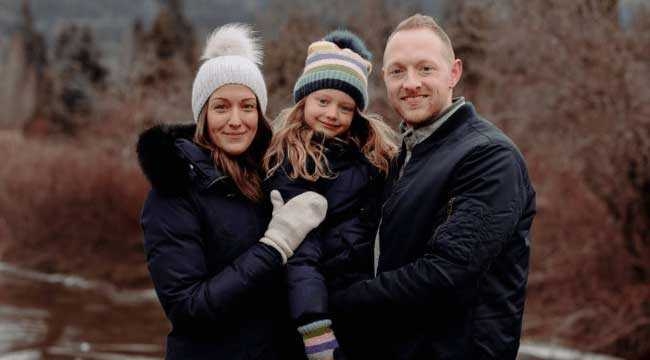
[
  {"x": 232, "y": 118},
  {"x": 329, "y": 111}
]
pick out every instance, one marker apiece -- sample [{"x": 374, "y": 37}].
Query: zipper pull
[{"x": 450, "y": 206}]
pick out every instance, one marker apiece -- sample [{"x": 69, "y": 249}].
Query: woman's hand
[{"x": 292, "y": 221}]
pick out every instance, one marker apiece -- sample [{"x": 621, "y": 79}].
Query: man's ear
[{"x": 456, "y": 72}]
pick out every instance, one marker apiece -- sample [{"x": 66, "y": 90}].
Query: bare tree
[
  {"x": 79, "y": 79},
  {"x": 163, "y": 66},
  {"x": 26, "y": 82}
]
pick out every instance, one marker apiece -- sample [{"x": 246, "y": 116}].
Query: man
[{"x": 452, "y": 250}]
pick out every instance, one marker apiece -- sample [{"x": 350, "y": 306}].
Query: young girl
[{"x": 327, "y": 144}]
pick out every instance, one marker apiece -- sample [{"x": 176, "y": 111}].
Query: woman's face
[
  {"x": 232, "y": 118},
  {"x": 329, "y": 111}
]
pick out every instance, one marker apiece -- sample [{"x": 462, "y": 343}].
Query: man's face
[{"x": 419, "y": 75}]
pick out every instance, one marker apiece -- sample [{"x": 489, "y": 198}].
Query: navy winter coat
[
  {"x": 454, "y": 249},
  {"x": 338, "y": 252},
  {"x": 223, "y": 291}
]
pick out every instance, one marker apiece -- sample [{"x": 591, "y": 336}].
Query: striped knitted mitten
[{"x": 319, "y": 340}]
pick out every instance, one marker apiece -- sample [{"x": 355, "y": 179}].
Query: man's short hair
[{"x": 419, "y": 21}]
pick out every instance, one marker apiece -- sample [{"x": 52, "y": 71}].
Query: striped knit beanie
[
  {"x": 232, "y": 56},
  {"x": 339, "y": 61}
]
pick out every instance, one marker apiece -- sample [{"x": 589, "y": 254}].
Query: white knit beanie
[{"x": 232, "y": 56}]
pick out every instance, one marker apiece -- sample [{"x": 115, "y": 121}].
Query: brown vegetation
[
  {"x": 564, "y": 79},
  {"x": 569, "y": 84},
  {"x": 72, "y": 208}
]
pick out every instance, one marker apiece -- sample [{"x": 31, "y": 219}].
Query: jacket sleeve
[
  {"x": 175, "y": 254},
  {"x": 489, "y": 190},
  {"x": 306, "y": 284},
  {"x": 307, "y": 288}
]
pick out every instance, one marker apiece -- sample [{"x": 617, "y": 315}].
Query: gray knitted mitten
[{"x": 292, "y": 221}]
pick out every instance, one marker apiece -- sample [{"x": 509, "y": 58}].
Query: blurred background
[{"x": 79, "y": 80}]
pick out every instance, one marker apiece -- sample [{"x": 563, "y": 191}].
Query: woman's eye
[
  {"x": 323, "y": 101},
  {"x": 219, "y": 107},
  {"x": 347, "y": 109},
  {"x": 249, "y": 107}
]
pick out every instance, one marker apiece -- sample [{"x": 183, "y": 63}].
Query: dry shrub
[
  {"x": 72, "y": 209},
  {"x": 575, "y": 282}
]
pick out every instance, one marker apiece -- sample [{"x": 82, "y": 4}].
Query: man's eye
[
  {"x": 396, "y": 73},
  {"x": 426, "y": 69}
]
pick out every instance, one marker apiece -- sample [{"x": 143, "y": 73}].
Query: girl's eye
[
  {"x": 249, "y": 107},
  {"x": 322, "y": 101},
  {"x": 347, "y": 109}
]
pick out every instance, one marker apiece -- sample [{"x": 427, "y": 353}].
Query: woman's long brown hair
[
  {"x": 244, "y": 169},
  {"x": 293, "y": 140}
]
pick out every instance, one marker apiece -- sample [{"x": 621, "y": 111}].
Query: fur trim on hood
[{"x": 159, "y": 159}]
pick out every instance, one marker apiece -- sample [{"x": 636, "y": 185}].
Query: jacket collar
[
  {"x": 457, "y": 119},
  {"x": 171, "y": 161},
  {"x": 200, "y": 164},
  {"x": 340, "y": 153}
]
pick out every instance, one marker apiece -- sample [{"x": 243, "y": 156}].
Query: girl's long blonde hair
[
  {"x": 294, "y": 140},
  {"x": 245, "y": 168}
]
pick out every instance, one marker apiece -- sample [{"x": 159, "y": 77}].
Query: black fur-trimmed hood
[{"x": 160, "y": 159}]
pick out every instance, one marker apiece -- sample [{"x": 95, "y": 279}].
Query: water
[
  {"x": 54, "y": 316},
  {"x": 46, "y": 316}
]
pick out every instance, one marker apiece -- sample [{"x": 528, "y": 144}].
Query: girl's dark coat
[{"x": 338, "y": 252}]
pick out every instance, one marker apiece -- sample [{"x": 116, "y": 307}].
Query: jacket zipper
[
  {"x": 216, "y": 181},
  {"x": 450, "y": 206},
  {"x": 450, "y": 210}
]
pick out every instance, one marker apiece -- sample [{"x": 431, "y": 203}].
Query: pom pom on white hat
[{"x": 232, "y": 55}]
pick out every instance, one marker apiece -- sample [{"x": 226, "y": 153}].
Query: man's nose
[{"x": 412, "y": 80}]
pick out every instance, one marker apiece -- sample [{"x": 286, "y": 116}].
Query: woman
[
  {"x": 327, "y": 143},
  {"x": 216, "y": 266}
]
